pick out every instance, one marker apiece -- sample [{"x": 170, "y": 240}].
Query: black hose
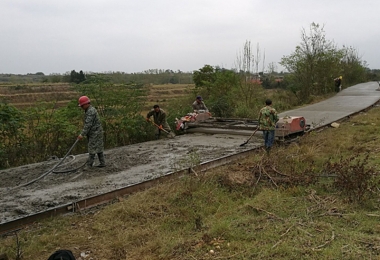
[
  {"x": 72, "y": 170},
  {"x": 51, "y": 170}
]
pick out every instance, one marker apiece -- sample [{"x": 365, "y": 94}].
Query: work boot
[
  {"x": 91, "y": 159},
  {"x": 101, "y": 160},
  {"x": 89, "y": 163}
]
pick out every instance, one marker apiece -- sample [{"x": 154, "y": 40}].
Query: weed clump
[{"x": 355, "y": 178}]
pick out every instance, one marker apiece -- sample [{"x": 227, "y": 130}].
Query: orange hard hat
[{"x": 83, "y": 100}]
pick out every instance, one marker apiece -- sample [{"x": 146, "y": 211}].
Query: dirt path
[{"x": 125, "y": 166}]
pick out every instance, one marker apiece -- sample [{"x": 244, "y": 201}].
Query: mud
[{"x": 125, "y": 166}]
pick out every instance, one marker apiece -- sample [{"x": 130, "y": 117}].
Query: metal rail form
[{"x": 87, "y": 203}]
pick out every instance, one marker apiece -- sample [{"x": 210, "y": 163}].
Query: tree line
[{"x": 152, "y": 76}]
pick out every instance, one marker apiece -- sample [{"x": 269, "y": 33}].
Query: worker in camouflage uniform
[
  {"x": 159, "y": 118},
  {"x": 199, "y": 105},
  {"x": 93, "y": 130},
  {"x": 267, "y": 123}
]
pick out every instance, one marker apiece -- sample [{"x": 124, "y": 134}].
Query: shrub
[{"x": 354, "y": 177}]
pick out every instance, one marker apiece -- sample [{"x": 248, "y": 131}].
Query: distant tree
[
  {"x": 353, "y": 68},
  {"x": 81, "y": 77},
  {"x": 247, "y": 66},
  {"x": 55, "y": 78},
  {"x": 313, "y": 64},
  {"x": 173, "y": 80},
  {"x": 73, "y": 76},
  {"x": 220, "y": 87},
  {"x": 76, "y": 77},
  {"x": 373, "y": 74},
  {"x": 204, "y": 77},
  {"x": 272, "y": 68}
]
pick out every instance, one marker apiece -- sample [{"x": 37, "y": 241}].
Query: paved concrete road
[{"x": 347, "y": 102}]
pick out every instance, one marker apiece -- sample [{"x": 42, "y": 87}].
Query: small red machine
[
  {"x": 181, "y": 124},
  {"x": 290, "y": 126}
]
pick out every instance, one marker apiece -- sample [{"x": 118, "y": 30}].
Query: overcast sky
[{"x": 52, "y": 36}]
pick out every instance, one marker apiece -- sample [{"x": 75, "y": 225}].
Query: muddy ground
[{"x": 125, "y": 166}]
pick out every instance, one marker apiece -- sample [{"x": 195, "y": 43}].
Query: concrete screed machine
[{"x": 202, "y": 122}]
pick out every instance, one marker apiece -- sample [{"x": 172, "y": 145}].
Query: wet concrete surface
[{"x": 125, "y": 166}]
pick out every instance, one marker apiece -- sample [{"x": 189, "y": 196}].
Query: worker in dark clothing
[
  {"x": 267, "y": 123},
  {"x": 93, "y": 130},
  {"x": 199, "y": 105},
  {"x": 338, "y": 83},
  {"x": 159, "y": 118}
]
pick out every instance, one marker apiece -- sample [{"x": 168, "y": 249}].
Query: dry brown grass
[
  {"x": 35, "y": 88},
  {"x": 162, "y": 95},
  {"x": 24, "y": 96}
]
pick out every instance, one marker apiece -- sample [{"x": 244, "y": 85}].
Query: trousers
[{"x": 268, "y": 138}]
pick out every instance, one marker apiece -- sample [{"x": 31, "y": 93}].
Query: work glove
[
  {"x": 147, "y": 119},
  {"x": 80, "y": 137},
  {"x": 161, "y": 127}
]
